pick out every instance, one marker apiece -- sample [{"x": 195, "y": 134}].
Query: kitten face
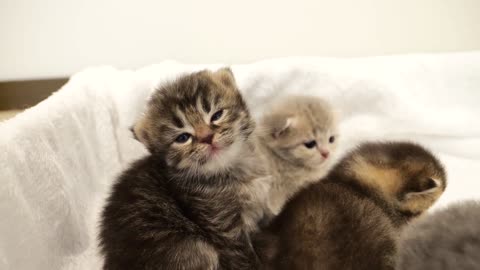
[
  {"x": 301, "y": 130},
  {"x": 406, "y": 173},
  {"x": 198, "y": 122}
]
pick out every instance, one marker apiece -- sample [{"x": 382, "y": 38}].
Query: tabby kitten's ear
[
  {"x": 225, "y": 77},
  {"x": 140, "y": 132},
  {"x": 133, "y": 133}
]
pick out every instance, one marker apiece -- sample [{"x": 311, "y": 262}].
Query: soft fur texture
[
  {"x": 183, "y": 206},
  {"x": 446, "y": 239},
  {"x": 298, "y": 137},
  {"x": 351, "y": 219},
  {"x": 60, "y": 158}
]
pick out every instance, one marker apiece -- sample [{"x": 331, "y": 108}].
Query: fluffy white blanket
[{"x": 58, "y": 159}]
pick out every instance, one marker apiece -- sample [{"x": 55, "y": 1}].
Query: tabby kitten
[
  {"x": 182, "y": 206},
  {"x": 446, "y": 239},
  {"x": 351, "y": 219},
  {"x": 298, "y": 136}
]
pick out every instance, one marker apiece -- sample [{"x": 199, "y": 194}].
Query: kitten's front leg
[
  {"x": 254, "y": 195},
  {"x": 239, "y": 255},
  {"x": 266, "y": 246},
  {"x": 189, "y": 255}
]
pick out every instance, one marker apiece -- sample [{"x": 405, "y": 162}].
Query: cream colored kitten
[{"x": 298, "y": 135}]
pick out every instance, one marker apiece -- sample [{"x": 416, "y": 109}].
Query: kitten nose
[
  {"x": 206, "y": 139},
  {"x": 204, "y": 135},
  {"x": 324, "y": 153}
]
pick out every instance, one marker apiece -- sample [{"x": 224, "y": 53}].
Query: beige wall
[{"x": 44, "y": 38}]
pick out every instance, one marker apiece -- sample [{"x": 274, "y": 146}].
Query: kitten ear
[
  {"x": 429, "y": 185},
  {"x": 133, "y": 133},
  {"x": 421, "y": 198},
  {"x": 225, "y": 77},
  {"x": 140, "y": 132},
  {"x": 282, "y": 126}
]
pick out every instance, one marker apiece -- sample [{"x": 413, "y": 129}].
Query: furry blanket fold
[{"x": 59, "y": 158}]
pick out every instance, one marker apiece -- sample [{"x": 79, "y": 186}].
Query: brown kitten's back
[
  {"x": 331, "y": 226},
  {"x": 351, "y": 219}
]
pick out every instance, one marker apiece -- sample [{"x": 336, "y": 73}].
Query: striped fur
[{"x": 183, "y": 206}]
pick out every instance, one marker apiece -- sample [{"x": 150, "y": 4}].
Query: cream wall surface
[{"x": 59, "y": 37}]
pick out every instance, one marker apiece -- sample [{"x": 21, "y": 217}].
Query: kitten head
[
  {"x": 404, "y": 173},
  {"x": 301, "y": 130},
  {"x": 198, "y": 123}
]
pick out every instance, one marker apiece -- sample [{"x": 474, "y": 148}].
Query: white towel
[{"x": 58, "y": 159}]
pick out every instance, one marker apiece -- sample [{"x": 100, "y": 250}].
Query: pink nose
[
  {"x": 204, "y": 134},
  {"x": 207, "y": 139},
  {"x": 324, "y": 153}
]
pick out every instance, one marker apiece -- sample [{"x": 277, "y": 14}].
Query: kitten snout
[
  {"x": 204, "y": 134},
  {"x": 208, "y": 139},
  {"x": 324, "y": 152}
]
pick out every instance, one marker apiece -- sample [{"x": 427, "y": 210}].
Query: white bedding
[{"x": 58, "y": 158}]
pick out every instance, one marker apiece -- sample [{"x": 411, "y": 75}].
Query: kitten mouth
[
  {"x": 213, "y": 150},
  {"x": 210, "y": 153},
  {"x": 321, "y": 163}
]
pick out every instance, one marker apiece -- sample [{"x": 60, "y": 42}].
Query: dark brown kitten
[
  {"x": 351, "y": 219},
  {"x": 182, "y": 206}
]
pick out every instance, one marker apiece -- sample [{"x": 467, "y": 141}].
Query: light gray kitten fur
[
  {"x": 298, "y": 135},
  {"x": 446, "y": 239}
]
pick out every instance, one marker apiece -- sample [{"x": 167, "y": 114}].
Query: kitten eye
[
  {"x": 310, "y": 144},
  {"x": 183, "y": 138},
  {"x": 331, "y": 139},
  {"x": 216, "y": 116}
]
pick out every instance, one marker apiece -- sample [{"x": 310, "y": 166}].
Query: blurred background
[{"x": 44, "y": 42}]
